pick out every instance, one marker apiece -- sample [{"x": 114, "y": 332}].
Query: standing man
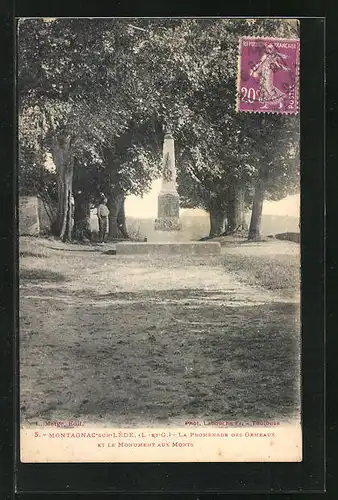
[{"x": 102, "y": 214}]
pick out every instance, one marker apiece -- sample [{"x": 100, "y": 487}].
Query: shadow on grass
[
  {"x": 26, "y": 253},
  {"x": 177, "y": 293},
  {"x": 144, "y": 296},
  {"x": 78, "y": 248},
  {"x": 272, "y": 272},
  {"x": 42, "y": 275},
  {"x": 158, "y": 362}
]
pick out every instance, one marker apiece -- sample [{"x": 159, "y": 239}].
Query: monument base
[
  {"x": 167, "y": 224},
  {"x": 167, "y": 249},
  {"x": 168, "y": 237}
]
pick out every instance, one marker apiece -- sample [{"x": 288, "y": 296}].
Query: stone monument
[
  {"x": 168, "y": 208},
  {"x": 169, "y": 236}
]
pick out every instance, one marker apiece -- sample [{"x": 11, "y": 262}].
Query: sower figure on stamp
[
  {"x": 271, "y": 62},
  {"x": 102, "y": 215}
]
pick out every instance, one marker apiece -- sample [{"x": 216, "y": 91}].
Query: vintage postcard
[{"x": 159, "y": 238}]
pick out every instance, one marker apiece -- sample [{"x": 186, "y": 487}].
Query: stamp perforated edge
[{"x": 297, "y": 40}]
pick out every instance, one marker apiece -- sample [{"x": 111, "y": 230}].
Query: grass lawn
[
  {"x": 274, "y": 265},
  {"x": 124, "y": 340}
]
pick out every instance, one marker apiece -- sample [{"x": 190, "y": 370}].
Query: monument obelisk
[{"x": 168, "y": 208}]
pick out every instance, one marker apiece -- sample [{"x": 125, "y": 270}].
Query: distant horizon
[
  {"x": 146, "y": 207},
  {"x": 183, "y": 214}
]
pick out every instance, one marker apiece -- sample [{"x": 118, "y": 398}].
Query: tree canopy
[{"x": 101, "y": 92}]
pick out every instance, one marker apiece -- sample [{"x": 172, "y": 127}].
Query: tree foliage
[
  {"x": 99, "y": 93},
  {"x": 191, "y": 88},
  {"x": 75, "y": 98}
]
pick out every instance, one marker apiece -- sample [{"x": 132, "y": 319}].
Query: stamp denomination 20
[{"x": 268, "y": 75}]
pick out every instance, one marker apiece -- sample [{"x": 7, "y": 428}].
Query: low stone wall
[
  {"x": 29, "y": 216},
  {"x": 190, "y": 248},
  {"x": 295, "y": 237}
]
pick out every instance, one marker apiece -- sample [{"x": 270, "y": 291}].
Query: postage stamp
[{"x": 268, "y": 75}]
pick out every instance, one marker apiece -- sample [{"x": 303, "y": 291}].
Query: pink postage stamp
[{"x": 268, "y": 75}]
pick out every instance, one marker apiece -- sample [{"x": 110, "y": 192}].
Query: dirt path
[{"x": 120, "y": 340}]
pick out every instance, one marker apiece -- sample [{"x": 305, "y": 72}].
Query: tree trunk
[
  {"x": 121, "y": 220},
  {"x": 67, "y": 236},
  {"x": 256, "y": 213},
  {"x": 217, "y": 221},
  {"x": 241, "y": 207},
  {"x": 81, "y": 230},
  {"x": 115, "y": 205},
  {"x": 63, "y": 161},
  {"x": 236, "y": 210},
  {"x": 64, "y": 217}
]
